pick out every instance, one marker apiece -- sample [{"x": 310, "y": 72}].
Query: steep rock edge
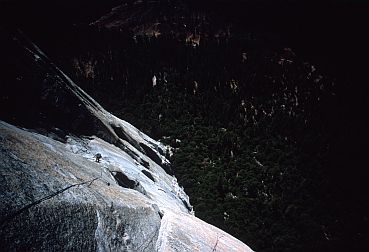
[{"x": 55, "y": 190}]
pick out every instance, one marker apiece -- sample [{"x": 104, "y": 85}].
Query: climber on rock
[{"x": 98, "y": 157}]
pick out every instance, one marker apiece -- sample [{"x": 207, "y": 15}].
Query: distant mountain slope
[{"x": 164, "y": 18}]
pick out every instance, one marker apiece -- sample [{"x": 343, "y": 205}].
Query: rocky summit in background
[{"x": 81, "y": 179}]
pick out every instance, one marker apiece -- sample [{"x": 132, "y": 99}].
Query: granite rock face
[
  {"x": 37, "y": 213},
  {"x": 54, "y": 195}
]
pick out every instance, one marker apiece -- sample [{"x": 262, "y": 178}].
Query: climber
[{"x": 98, "y": 157}]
